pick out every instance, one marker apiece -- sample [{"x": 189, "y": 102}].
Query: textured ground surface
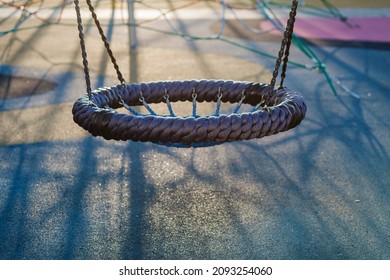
[{"x": 320, "y": 191}]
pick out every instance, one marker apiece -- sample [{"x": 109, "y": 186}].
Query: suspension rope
[
  {"x": 284, "y": 48},
  {"x": 105, "y": 41},
  {"x": 290, "y": 27},
  {"x": 83, "y": 50}
]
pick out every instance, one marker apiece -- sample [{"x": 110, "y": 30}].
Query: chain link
[
  {"x": 284, "y": 48},
  {"x": 83, "y": 48}
]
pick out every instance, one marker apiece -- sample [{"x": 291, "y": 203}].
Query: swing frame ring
[{"x": 96, "y": 113}]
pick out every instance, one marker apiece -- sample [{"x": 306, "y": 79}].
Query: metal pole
[
  {"x": 131, "y": 23},
  {"x": 132, "y": 42}
]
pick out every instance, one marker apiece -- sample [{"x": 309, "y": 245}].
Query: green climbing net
[{"x": 18, "y": 14}]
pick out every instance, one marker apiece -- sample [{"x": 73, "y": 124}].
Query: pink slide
[{"x": 357, "y": 29}]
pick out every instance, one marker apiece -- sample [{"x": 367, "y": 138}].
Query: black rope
[
  {"x": 83, "y": 48},
  {"x": 284, "y": 48},
  {"x": 290, "y": 27},
  {"x": 105, "y": 41},
  {"x": 83, "y": 51}
]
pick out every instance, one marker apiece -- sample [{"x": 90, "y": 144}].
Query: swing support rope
[
  {"x": 275, "y": 109},
  {"x": 83, "y": 48}
]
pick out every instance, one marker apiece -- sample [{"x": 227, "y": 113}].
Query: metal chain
[
  {"x": 83, "y": 51},
  {"x": 285, "y": 47},
  {"x": 105, "y": 41}
]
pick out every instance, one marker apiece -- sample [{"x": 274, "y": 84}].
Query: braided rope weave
[{"x": 282, "y": 110}]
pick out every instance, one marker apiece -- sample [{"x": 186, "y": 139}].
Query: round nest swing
[{"x": 275, "y": 109}]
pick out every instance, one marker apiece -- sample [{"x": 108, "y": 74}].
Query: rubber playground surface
[{"x": 318, "y": 191}]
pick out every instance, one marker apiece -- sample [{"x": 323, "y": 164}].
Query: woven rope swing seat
[{"x": 274, "y": 109}]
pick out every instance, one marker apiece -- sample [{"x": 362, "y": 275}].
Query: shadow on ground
[{"x": 317, "y": 192}]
